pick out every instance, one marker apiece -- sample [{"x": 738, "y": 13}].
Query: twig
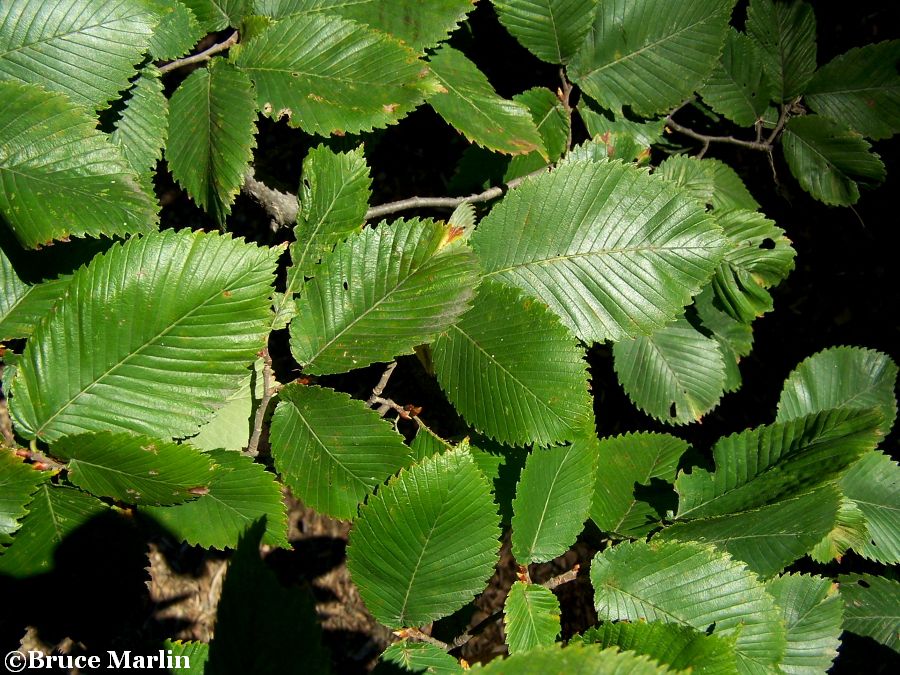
[
  {"x": 563, "y": 578},
  {"x": 269, "y": 390},
  {"x": 449, "y": 202},
  {"x": 565, "y": 94},
  {"x": 41, "y": 461},
  {"x": 765, "y": 146},
  {"x": 378, "y": 389},
  {"x": 416, "y": 634},
  {"x": 281, "y": 206},
  {"x": 205, "y": 55}
]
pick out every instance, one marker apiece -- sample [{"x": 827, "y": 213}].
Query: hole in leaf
[
  {"x": 346, "y": 286},
  {"x": 863, "y": 583},
  {"x": 672, "y": 411},
  {"x": 710, "y": 628},
  {"x": 767, "y": 244}
]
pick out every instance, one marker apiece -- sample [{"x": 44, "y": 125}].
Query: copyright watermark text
[{"x": 16, "y": 662}]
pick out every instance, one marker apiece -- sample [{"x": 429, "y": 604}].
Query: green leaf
[
  {"x": 713, "y": 183},
  {"x": 760, "y": 257},
  {"x": 552, "y": 30},
  {"x": 102, "y": 361},
  {"x": 240, "y": 493},
  {"x": 18, "y": 482},
  {"x": 738, "y": 87},
  {"x": 56, "y": 46},
  {"x": 61, "y": 177},
  {"x": 530, "y": 617},
  {"x": 552, "y": 124},
  {"x": 513, "y": 371},
  {"x": 53, "y": 514},
  {"x": 627, "y": 467},
  {"x": 680, "y": 648},
  {"x": 195, "y": 653},
  {"x": 691, "y": 585},
  {"x": 574, "y": 658},
  {"x": 676, "y": 374},
  {"x": 178, "y": 30},
  {"x": 211, "y": 135},
  {"x": 421, "y": 657},
  {"x": 871, "y": 607},
  {"x": 23, "y": 305},
  {"x": 786, "y": 35},
  {"x": 231, "y": 426},
  {"x": 215, "y": 15},
  {"x": 553, "y": 499},
  {"x": 329, "y": 75},
  {"x": 735, "y": 338},
  {"x": 650, "y": 55},
  {"x": 812, "y": 609},
  {"x": 134, "y": 469},
  {"x": 280, "y": 622},
  {"x": 623, "y": 138},
  {"x": 861, "y": 88},
  {"x": 828, "y": 159},
  {"x": 627, "y": 251},
  {"x": 334, "y": 194},
  {"x": 332, "y": 450},
  {"x": 381, "y": 293},
  {"x": 142, "y": 129},
  {"x": 426, "y": 543},
  {"x": 760, "y": 466},
  {"x": 415, "y": 23},
  {"x": 841, "y": 377},
  {"x": 770, "y": 537},
  {"x": 468, "y": 103},
  {"x": 873, "y": 483},
  {"x": 849, "y": 531},
  {"x": 427, "y": 443}
]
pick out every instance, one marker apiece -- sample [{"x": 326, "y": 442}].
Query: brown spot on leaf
[
  {"x": 199, "y": 490},
  {"x": 390, "y": 108}
]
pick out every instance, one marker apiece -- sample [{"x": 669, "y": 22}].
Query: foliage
[{"x": 142, "y": 360}]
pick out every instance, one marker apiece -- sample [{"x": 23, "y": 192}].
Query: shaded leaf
[
  {"x": 468, "y": 103},
  {"x": 872, "y": 607},
  {"x": 334, "y": 194},
  {"x": 553, "y": 499},
  {"x": 426, "y": 543},
  {"x": 849, "y": 531},
  {"x": 760, "y": 466},
  {"x": 142, "y": 129},
  {"x": 786, "y": 35},
  {"x": 56, "y": 45},
  {"x": 256, "y": 609},
  {"x": 873, "y": 483},
  {"x": 676, "y": 374},
  {"x": 211, "y": 135},
  {"x": 829, "y": 160},
  {"x": 134, "y": 469},
  {"x": 552, "y": 124},
  {"x": 178, "y": 30},
  {"x": 231, "y": 426},
  {"x": 332, "y": 450},
  {"x": 103, "y": 362},
  {"x": 861, "y": 88},
  {"x": 678, "y": 647},
  {"x": 575, "y": 658},
  {"x": 628, "y": 250},
  {"x": 624, "y": 139},
  {"x": 812, "y": 609},
  {"x": 712, "y": 182},
  {"x": 650, "y": 55},
  {"x": 53, "y": 514},
  {"x": 381, "y": 293},
  {"x": 691, "y": 585},
  {"x": 215, "y": 15},
  {"x": 18, "y": 482},
  {"x": 417, "y": 24},
  {"x": 240, "y": 492},
  {"x": 329, "y": 75},
  {"x": 513, "y": 371},
  {"x": 738, "y": 87},
  {"x": 770, "y": 537},
  {"x": 530, "y": 617},
  {"x": 735, "y": 338},
  {"x": 420, "y": 657},
  {"x": 60, "y": 176},
  {"x": 427, "y": 443},
  {"x": 22, "y": 304},
  {"x": 841, "y": 377},
  {"x": 552, "y": 30},
  {"x": 627, "y": 467}
]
